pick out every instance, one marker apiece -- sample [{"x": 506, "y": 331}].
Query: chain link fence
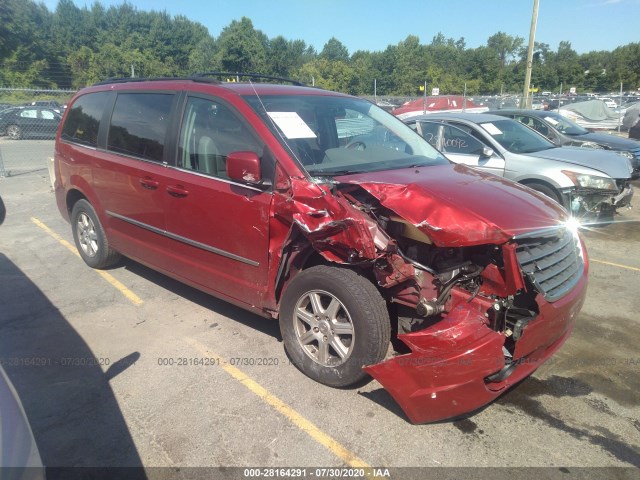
[{"x": 29, "y": 119}]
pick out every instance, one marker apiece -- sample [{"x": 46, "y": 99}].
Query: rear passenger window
[
  {"x": 29, "y": 114},
  {"x": 139, "y": 125},
  {"x": 83, "y": 120}
]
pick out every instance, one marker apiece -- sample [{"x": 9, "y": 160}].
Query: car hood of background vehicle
[
  {"x": 612, "y": 141},
  {"x": 459, "y": 206},
  {"x": 614, "y": 165}
]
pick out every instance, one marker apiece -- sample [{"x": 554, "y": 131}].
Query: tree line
[{"x": 73, "y": 47}]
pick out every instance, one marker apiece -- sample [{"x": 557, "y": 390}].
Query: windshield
[
  {"x": 564, "y": 125},
  {"x": 515, "y": 137},
  {"x": 331, "y": 135}
]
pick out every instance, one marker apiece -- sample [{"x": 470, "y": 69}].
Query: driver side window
[
  {"x": 451, "y": 139},
  {"x": 540, "y": 127},
  {"x": 210, "y": 131},
  {"x": 460, "y": 142}
]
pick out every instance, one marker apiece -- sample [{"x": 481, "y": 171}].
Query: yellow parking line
[
  {"x": 297, "y": 419},
  {"x": 132, "y": 297},
  {"x": 615, "y": 265}
]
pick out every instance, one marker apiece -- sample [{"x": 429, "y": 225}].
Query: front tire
[
  {"x": 545, "y": 190},
  {"x": 89, "y": 236},
  {"x": 333, "y": 322}
]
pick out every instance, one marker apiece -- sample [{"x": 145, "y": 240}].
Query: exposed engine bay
[
  {"x": 475, "y": 292},
  {"x": 442, "y": 277}
]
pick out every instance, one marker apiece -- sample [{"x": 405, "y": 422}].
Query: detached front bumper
[{"x": 445, "y": 375}]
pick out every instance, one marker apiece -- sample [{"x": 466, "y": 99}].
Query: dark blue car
[{"x": 29, "y": 122}]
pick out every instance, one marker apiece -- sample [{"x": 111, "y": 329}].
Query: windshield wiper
[{"x": 333, "y": 173}]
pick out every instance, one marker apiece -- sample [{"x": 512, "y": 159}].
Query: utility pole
[
  {"x": 526, "y": 101},
  {"x": 424, "y": 99}
]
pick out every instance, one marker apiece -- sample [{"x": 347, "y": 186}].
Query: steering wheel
[{"x": 356, "y": 145}]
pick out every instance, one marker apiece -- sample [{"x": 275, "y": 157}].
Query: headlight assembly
[{"x": 591, "y": 181}]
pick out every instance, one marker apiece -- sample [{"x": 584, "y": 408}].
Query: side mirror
[
  {"x": 244, "y": 167},
  {"x": 487, "y": 152}
]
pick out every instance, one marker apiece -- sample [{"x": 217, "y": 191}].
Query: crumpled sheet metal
[
  {"x": 440, "y": 376},
  {"x": 455, "y": 210},
  {"x": 444, "y": 375},
  {"x": 334, "y": 227}
]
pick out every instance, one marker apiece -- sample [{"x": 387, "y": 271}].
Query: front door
[{"x": 218, "y": 229}]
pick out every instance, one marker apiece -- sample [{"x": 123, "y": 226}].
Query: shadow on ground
[{"x": 73, "y": 412}]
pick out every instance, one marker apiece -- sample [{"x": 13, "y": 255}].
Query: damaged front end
[
  {"x": 475, "y": 308},
  {"x": 487, "y": 318},
  {"x": 599, "y": 202}
]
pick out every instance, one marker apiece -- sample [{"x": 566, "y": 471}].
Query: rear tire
[
  {"x": 89, "y": 236},
  {"x": 333, "y": 322},
  {"x": 14, "y": 132}
]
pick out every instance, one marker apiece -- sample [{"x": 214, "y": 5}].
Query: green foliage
[
  {"x": 72, "y": 47},
  {"x": 330, "y": 75},
  {"x": 241, "y": 48},
  {"x": 505, "y": 46},
  {"x": 335, "y": 51}
]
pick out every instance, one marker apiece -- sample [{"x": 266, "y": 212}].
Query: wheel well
[
  {"x": 535, "y": 181},
  {"x": 305, "y": 258},
  {"x": 72, "y": 197}
]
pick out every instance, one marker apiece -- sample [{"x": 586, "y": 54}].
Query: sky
[{"x": 374, "y": 24}]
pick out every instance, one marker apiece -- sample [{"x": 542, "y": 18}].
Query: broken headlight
[{"x": 591, "y": 181}]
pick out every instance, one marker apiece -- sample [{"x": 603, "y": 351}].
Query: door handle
[
  {"x": 177, "y": 191},
  {"x": 149, "y": 183}
]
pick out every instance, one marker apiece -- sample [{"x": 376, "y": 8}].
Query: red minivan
[{"x": 377, "y": 255}]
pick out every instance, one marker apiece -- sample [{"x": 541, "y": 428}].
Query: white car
[{"x": 609, "y": 102}]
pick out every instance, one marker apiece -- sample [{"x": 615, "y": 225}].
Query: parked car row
[
  {"x": 591, "y": 184},
  {"x": 565, "y": 132}
]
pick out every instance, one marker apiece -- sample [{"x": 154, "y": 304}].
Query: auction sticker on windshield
[
  {"x": 492, "y": 129},
  {"x": 292, "y": 125}
]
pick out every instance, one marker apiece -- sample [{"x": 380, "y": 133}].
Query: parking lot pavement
[{"x": 183, "y": 379}]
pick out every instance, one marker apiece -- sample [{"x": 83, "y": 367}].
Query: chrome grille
[{"x": 552, "y": 260}]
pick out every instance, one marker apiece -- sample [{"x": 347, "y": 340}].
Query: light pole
[{"x": 526, "y": 102}]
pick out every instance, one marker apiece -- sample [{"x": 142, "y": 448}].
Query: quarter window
[
  {"x": 83, "y": 120},
  {"x": 139, "y": 125}
]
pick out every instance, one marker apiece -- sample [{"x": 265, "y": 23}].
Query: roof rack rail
[
  {"x": 156, "y": 79},
  {"x": 239, "y": 75}
]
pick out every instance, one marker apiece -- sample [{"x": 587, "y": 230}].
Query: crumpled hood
[
  {"x": 610, "y": 163},
  {"x": 459, "y": 206}
]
